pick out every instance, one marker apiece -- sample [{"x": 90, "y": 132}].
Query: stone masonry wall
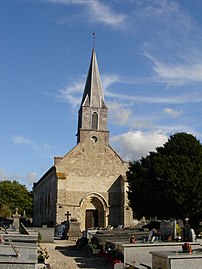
[{"x": 91, "y": 167}]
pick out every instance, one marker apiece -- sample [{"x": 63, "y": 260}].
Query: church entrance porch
[{"x": 93, "y": 211}]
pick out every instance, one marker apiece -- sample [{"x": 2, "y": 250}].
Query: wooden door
[{"x": 91, "y": 218}]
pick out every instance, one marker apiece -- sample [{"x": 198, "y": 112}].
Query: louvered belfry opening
[{"x": 94, "y": 121}]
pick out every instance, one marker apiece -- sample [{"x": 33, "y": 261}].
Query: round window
[{"x": 94, "y": 138}]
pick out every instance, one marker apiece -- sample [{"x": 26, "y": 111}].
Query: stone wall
[
  {"x": 45, "y": 193},
  {"x": 92, "y": 168}
]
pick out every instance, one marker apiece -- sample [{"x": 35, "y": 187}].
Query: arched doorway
[{"x": 93, "y": 211}]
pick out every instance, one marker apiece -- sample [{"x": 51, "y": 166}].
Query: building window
[
  {"x": 94, "y": 139},
  {"x": 94, "y": 121}
]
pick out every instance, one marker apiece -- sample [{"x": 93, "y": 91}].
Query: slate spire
[
  {"x": 93, "y": 110},
  {"x": 93, "y": 94}
]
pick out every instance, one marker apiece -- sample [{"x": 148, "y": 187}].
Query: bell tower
[{"x": 93, "y": 112}]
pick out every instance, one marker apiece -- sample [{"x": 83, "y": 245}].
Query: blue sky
[{"x": 150, "y": 59}]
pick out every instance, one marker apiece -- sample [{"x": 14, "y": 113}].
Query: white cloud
[
  {"x": 134, "y": 145},
  {"x": 173, "y": 48},
  {"x": 42, "y": 149},
  {"x": 72, "y": 93},
  {"x": 143, "y": 123},
  {"x": 178, "y": 73},
  {"x": 102, "y": 13},
  {"x": 109, "y": 79},
  {"x": 96, "y": 11},
  {"x": 158, "y": 8},
  {"x": 25, "y": 180},
  {"x": 164, "y": 11},
  {"x": 179, "y": 99},
  {"x": 172, "y": 112},
  {"x": 31, "y": 178},
  {"x": 3, "y": 175},
  {"x": 120, "y": 105},
  {"x": 119, "y": 114},
  {"x": 12, "y": 177},
  {"x": 21, "y": 140},
  {"x": 179, "y": 69}
]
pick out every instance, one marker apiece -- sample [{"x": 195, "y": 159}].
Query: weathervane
[{"x": 94, "y": 36}]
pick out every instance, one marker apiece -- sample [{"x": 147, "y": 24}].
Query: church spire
[
  {"x": 93, "y": 110},
  {"x": 93, "y": 94}
]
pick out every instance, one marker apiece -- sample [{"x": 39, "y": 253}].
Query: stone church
[{"x": 89, "y": 182}]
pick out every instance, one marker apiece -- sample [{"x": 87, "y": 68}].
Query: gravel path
[{"x": 64, "y": 255}]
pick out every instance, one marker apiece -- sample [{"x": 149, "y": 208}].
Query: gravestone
[
  {"x": 74, "y": 231},
  {"x": 16, "y": 220},
  {"x": 167, "y": 230},
  {"x": 188, "y": 234},
  {"x": 18, "y": 251}
]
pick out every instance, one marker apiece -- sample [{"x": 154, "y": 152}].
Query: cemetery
[
  {"x": 163, "y": 251},
  {"x": 20, "y": 247},
  {"x": 157, "y": 244}
]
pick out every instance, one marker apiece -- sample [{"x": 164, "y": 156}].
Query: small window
[
  {"x": 94, "y": 121},
  {"x": 94, "y": 139}
]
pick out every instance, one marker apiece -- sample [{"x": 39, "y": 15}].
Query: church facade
[{"x": 89, "y": 182}]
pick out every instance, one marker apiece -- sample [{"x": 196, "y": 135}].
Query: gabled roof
[{"x": 93, "y": 94}]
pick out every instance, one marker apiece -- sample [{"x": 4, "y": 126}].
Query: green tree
[
  {"x": 14, "y": 195},
  {"x": 4, "y": 211},
  {"x": 168, "y": 183}
]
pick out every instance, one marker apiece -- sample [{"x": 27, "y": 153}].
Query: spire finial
[{"x": 94, "y": 37}]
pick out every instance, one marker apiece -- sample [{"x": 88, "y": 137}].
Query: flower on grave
[
  {"x": 186, "y": 248},
  {"x": 116, "y": 261},
  {"x": 42, "y": 253}
]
